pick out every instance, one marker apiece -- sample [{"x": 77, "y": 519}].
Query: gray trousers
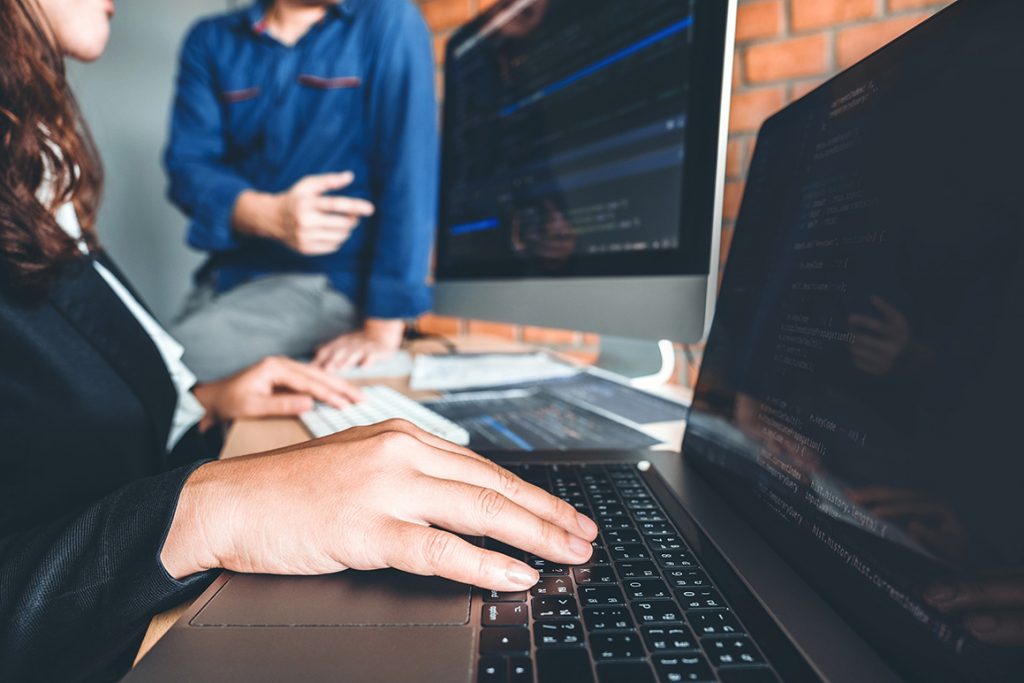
[{"x": 288, "y": 315}]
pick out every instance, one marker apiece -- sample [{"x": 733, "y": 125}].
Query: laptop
[{"x": 847, "y": 503}]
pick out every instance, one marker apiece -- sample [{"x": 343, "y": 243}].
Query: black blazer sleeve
[
  {"x": 87, "y": 487},
  {"x": 77, "y": 592}
]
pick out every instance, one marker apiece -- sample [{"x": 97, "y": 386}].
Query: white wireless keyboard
[{"x": 382, "y": 403}]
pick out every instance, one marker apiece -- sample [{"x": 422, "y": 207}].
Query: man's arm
[{"x": 402, "y": 107}]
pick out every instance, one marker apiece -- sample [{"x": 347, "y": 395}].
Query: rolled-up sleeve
[
  {"x": 402, "y": 114},
  {"x": 202, "y": 184}
]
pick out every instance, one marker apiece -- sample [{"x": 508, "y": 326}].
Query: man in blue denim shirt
[{"x": 304, "y": 150}]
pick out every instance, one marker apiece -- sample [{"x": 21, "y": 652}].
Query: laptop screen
[{"x": 862, "y": 394}]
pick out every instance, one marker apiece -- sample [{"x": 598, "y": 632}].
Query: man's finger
[
  {"x": 477, "y": 511},
  {"x": 280, "y": 405},
  {"x": 974, "y": 595},
  {"x": 345, "y": 206},
  {"x": 327, "y": 182},
  {"x": 432, "y": 552},
  {"x": 329, "y": 382},
  {"x": 997, "y": 628}
]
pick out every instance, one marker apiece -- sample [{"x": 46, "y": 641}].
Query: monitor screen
[
  {"x": 568, "y": 127},
  {"x": 863, "y": 386}
]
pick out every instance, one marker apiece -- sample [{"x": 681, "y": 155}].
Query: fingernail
[
  {"x": 521, "y": 575},
  {"x": 940, "y": 593},
  {"x": 586, "y": 525},
  {"x": 580, "y": 547},
  {"x": 981, "y": 624}
]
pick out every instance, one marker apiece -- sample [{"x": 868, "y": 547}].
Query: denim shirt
[{"x": 356, "y": 93}]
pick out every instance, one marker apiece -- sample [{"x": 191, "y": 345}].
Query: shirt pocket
[
  {"x": 243, "y": 114},
  {"x": 334, "y": 102}
]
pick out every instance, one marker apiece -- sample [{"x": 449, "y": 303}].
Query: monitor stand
[{"x": 643, "y": 363}]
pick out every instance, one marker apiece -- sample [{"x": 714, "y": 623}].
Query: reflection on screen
[
  {"x": 863, "y": 387},
  {"x": 566, "y": 124}
]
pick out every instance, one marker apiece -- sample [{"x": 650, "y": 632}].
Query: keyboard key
[
  {"x": 686, "y": 578},
  {"x": 623, "y": 536},
  {"x": 656, "y": 612},
  {"x": 656, "y": 529},
  {"x": 628, "y": 551},
  {"x": 654, "y": 515},
  {"x": 674, "y": 559},
  {"x": 616, "y": 646},
  {"x": 646, "y": 589},
  {"x": 547, "y": 567},
  {"x": 736, "y": 651},
  {"x": 588, "y": 575},
  {"x": 493, "y": 670},
  {"x": 683, "y": 668},
  {"x": 504, "y": 614},
  {"x": 699, "y": 598},
  {"x": 598, "y": 558},
  {"x": 556, "y": 633},
  {"x": 561, "y": 665},
  {"x": 714, "y": 623},
  {"x": 520, "y": 670},
  {"x": 637, "y": 570},
  {"x": 600, "y": 596},
  {"x": 504, "y": 640},
  {"x": 624, "y": 672},
  {"x": 555, "y": 607},
  {"x": 607, "y": 618},
  {"x": 497, "y": 596},
  {"x": 747, "y": 676},
  {"x": 667, "y": 543},
  {"x": 669, "y": 639},
  {"x": 555, "y": 585}
]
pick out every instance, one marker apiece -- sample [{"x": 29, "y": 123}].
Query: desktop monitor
[{"x": 583, "y": 165}]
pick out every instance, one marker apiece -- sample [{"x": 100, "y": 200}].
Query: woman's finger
[
  {"x": 331, "y": 380},
  {"x": 432, "y": 552}
]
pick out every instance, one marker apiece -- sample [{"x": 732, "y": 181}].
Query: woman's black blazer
[{"x": 87, "y": 489}]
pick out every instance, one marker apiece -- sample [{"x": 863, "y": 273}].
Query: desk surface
[{"x": 255, "y": 436}]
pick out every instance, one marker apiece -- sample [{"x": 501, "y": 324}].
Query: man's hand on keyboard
[
  {"x": 387, "y": 495},
  {"x": 274, "y": 387}
]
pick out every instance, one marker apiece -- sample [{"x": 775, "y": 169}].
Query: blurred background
[{"x": 783, "y": 49}]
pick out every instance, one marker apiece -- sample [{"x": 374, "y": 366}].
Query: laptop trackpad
[{"x": 351, "y": 598}]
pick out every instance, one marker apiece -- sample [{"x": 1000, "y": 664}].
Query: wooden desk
[{"x": 255, "y": 436}]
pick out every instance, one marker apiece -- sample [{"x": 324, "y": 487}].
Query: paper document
[{"x": 470, "y": 371}]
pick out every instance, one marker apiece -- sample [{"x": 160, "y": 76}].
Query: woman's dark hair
[{"x": 40, "y": 127}]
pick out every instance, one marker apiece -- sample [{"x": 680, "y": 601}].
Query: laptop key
[
  {"x": 590, "y": 575},
  {"x": 736, "y": 651},
  {"x": 662, "y": 639},
  {"x": 628, "y": 551},
  {"x": 607, "y": 619},
  {"x": 504, "y": 640},
  {"x": 683, "y": 668},
  {"x": 637, "y": 570},
  {"x": 699, "y": 598},
  {"x": 599, "y": 596},
  {"x": 656, "y": 529},
  {"x": 558, "y": 633},
  {"x": 498, "y": 596},
  {"x": 667, "y": 543},
  {"x": 646, "y": 589},
  {"x": 561, "y": 665},
  {"x": 687, "y": 578},
  {"x": 624, "y": 672},
  {"x": 520, "y": 670},
  {"x": 714, "y": 623},
  {"x": 547, "y": 567},
  {"x": 598, "y": 558},
  {"x": 623, "y": 536},
  {"x": 555, "y": 607},
  {"x": 493, "y": 670},
  {"x": 656, "y": 612},
  {"x": 504, "y": 614},
  {"x": 674, "y": 559},
  {"x": 555, "y": 585},
  {"x": 606, "y": 646}
]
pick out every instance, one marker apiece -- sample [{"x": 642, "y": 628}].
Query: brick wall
[{"x": 784, "y": 48}]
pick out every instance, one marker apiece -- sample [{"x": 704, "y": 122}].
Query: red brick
[
  {"x": 446, "y": 14},
  {"x": 733, "y": 197},
  {"x": 544, "y": 335},
  {"x": 439, "y": 325},
  {"x": 749, "y": 109},
  {"x": 806, "y": 15},
  {"x": 787, "y": 59},
  {"x": 737, "y": 156},
  {"x": 801, "y": 88},
  {"x": 853, "y": 44},
  {"x": 727, "y": 235},
  {"x": 489, "y": 329},
  {"x": 759, "y": 19},
  {"x": 898, "y": 5}
]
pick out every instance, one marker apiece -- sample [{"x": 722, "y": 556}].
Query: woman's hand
[
  {"x": 274, "y": 387},
  {"x": 388, "y": 495}
]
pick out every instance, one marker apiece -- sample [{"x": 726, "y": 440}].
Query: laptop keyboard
[{"x": 642, "y": 610}]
